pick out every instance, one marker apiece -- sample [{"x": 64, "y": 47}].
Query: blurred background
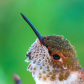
[{"x": 59, "y": 17}]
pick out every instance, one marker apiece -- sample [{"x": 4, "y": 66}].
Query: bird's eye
[{"x": 56, "y": 57}]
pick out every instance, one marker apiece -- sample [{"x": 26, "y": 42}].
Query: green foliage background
[{"x": 60, "y": 17}]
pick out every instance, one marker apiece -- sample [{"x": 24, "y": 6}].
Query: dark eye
[{"x": 56, "y": 57}]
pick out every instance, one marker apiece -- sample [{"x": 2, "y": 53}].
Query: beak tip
[{"x": 21, "y": 14}]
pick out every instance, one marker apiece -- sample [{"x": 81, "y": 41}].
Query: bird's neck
[{"x": 72, "y": 79}]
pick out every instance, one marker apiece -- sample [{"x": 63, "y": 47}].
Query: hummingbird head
[{"x": 52, "y": 57}]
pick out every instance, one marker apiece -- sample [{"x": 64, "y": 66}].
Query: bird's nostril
[{"x": 50, "y": 52}]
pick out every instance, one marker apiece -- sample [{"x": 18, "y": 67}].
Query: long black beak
[{"x": 34, "y": 29}]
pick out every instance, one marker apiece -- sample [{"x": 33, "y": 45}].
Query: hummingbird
[{"x": 53, "y": 60}]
